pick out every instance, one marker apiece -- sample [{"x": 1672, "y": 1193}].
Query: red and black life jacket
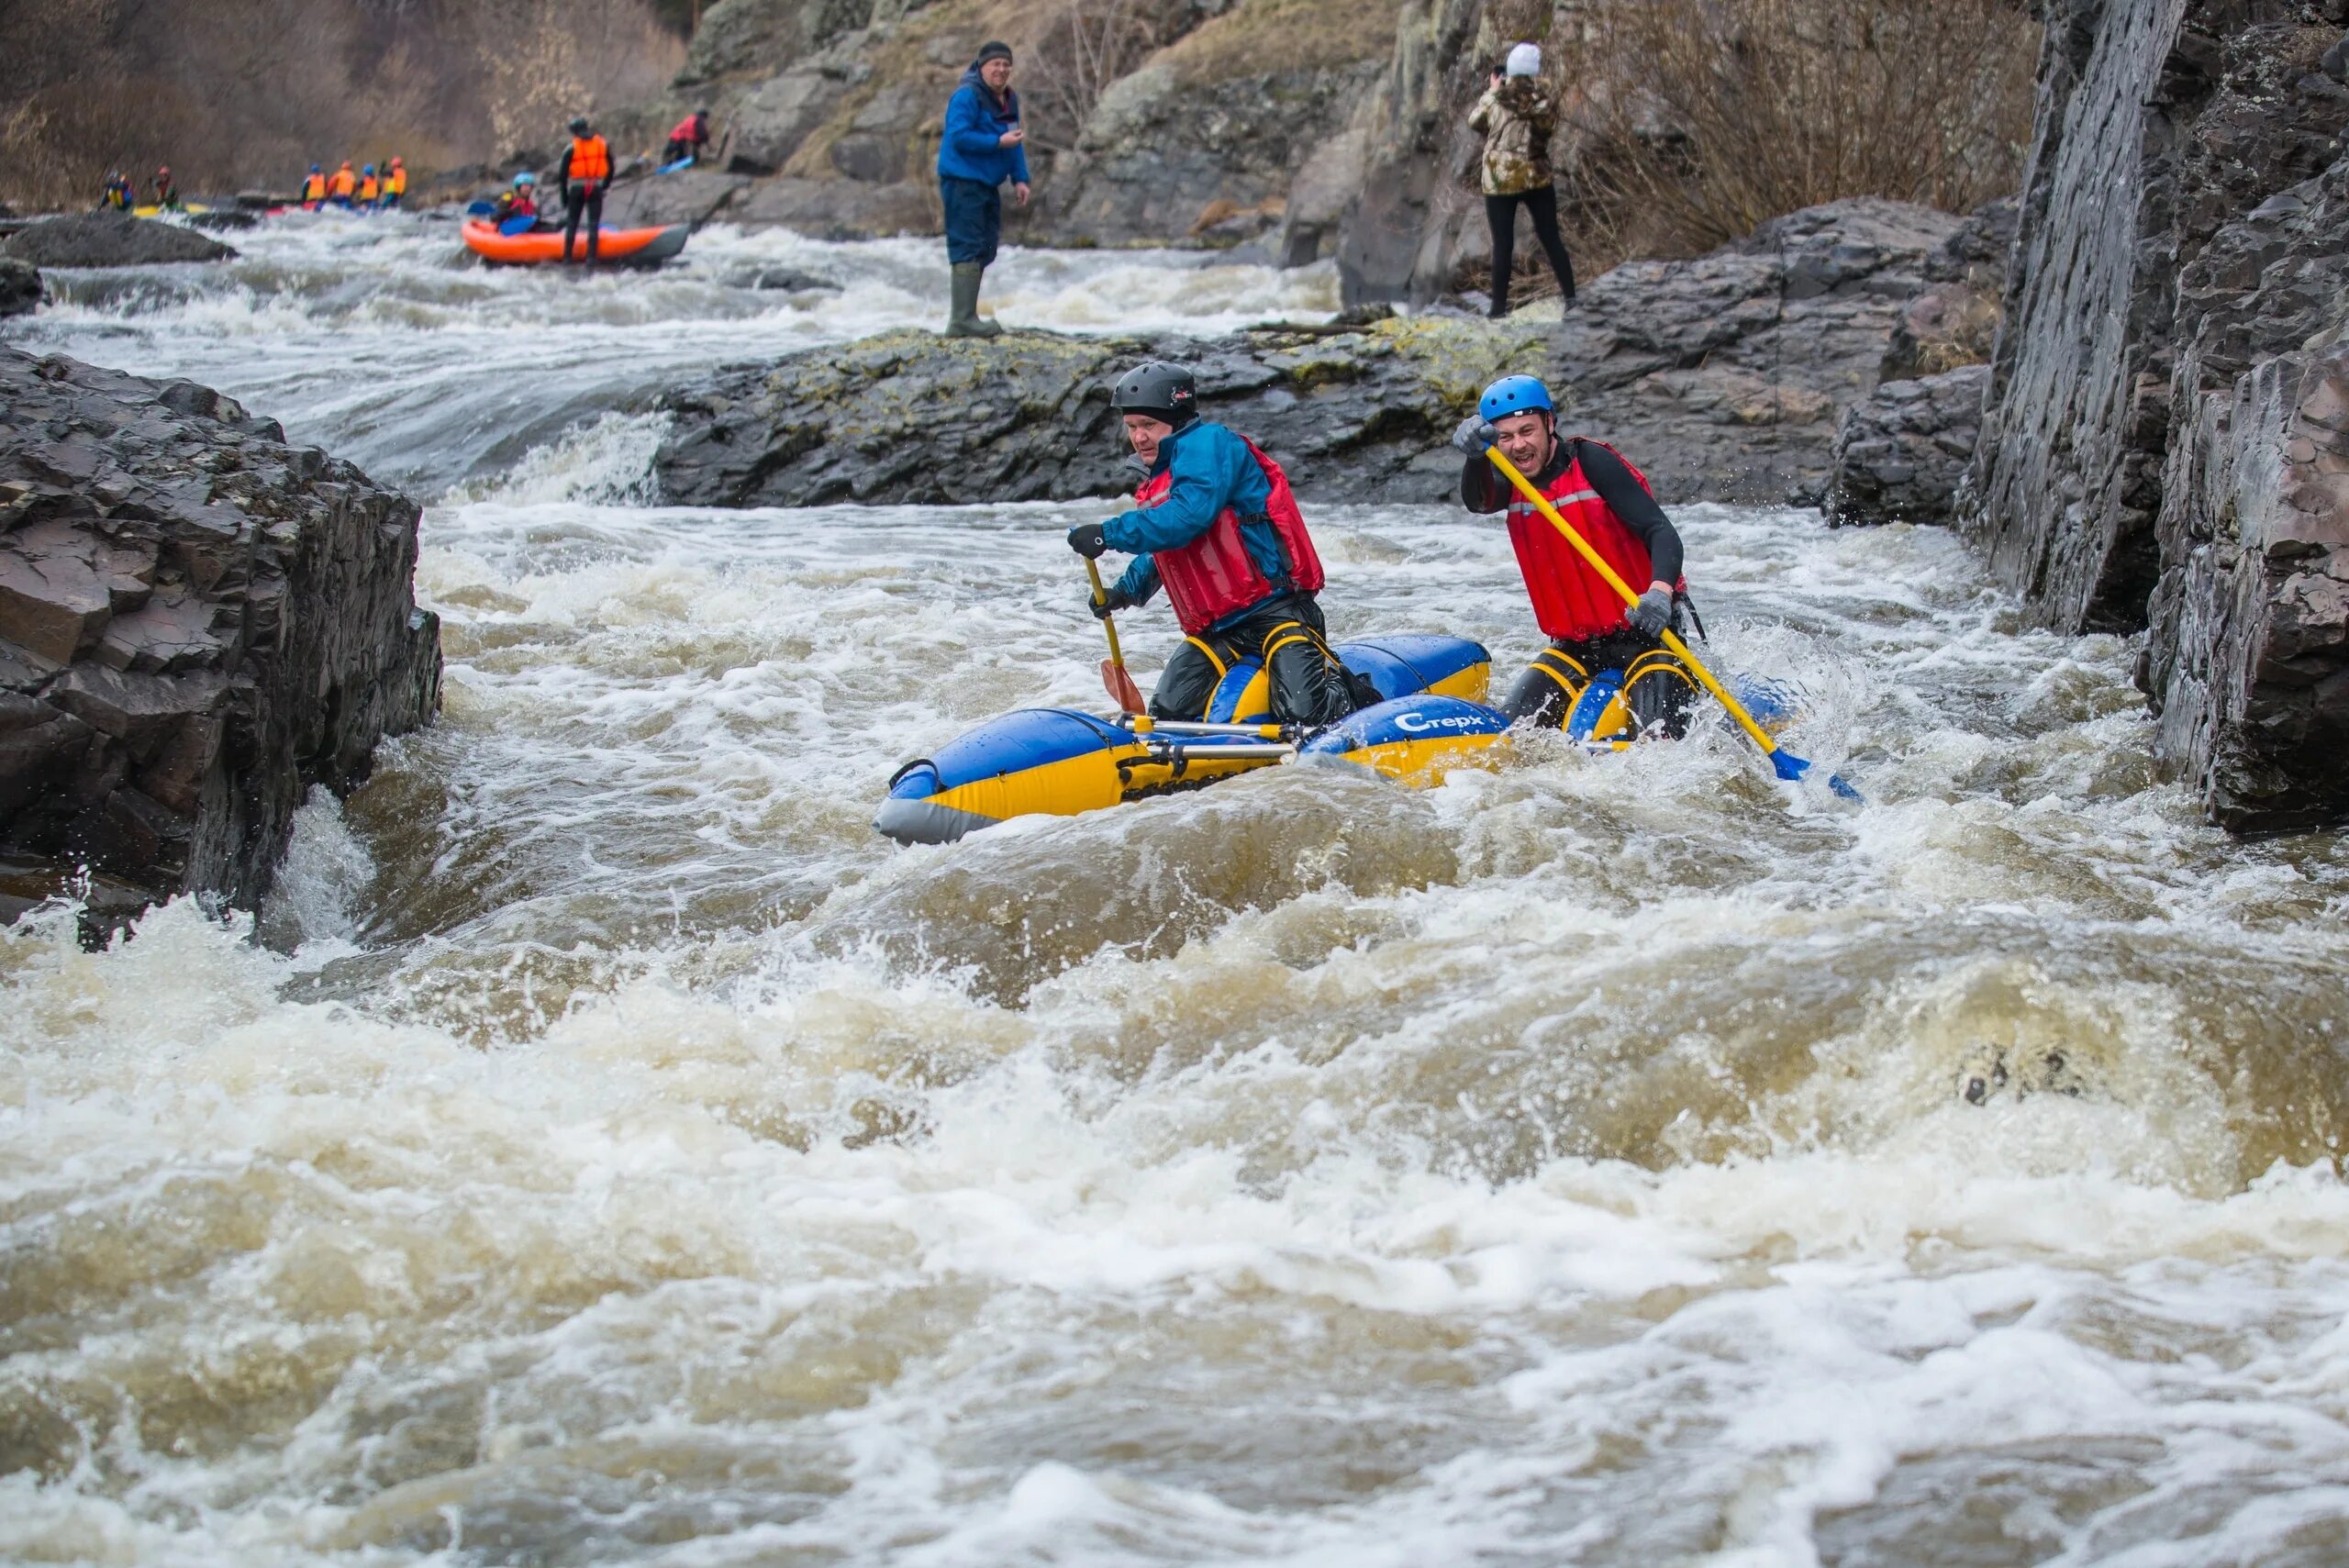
[
  {"x": 1214, "y": 575},
  {"x": 1571, "y": 602},
  {"x": 690, "y": 129}
]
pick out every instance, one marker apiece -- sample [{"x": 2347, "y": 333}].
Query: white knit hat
[{"x": 1525, "y": 60}]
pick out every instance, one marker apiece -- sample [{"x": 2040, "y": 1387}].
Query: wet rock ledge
[
  {"x": 198, "y": 622},
  {"x": 1723, "y": 377}
]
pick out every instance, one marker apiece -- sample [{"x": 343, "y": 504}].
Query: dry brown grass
[
  {"x": 1692, "y": 121},
  {"x": 1256, "y": 37},
  {"x": 240, "y": 92}
]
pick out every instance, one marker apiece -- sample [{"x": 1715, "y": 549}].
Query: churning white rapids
[{"x": 607, "y": 1150}]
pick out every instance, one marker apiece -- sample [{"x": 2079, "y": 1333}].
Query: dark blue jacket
[
  {"x": 969, "y": 147},
  {"x": 1212, "y": 469}
]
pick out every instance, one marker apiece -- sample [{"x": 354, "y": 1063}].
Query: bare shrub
[
  {"x": 1083, "y": 47},
  {"x": 1693, "y": 121}
]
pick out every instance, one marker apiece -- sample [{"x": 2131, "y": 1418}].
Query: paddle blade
[
  {"x": 1120, "y": 683},
  {"x": 1791, "y": 768}
]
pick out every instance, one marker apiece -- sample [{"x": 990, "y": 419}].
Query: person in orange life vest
[
  {"x": 371, "y": 189},
  {"x": 586, "y": 174},
  {"x": 1219, "y": 531},
  {"x": 690, "y": 136},
  {"x": 1607, "y": 500},
  {"x": 521, "y": 201},
  {"x": 341, "y": 185},
  {"x": 314, "y": 189},
  {"x": 394, "y": 183}
]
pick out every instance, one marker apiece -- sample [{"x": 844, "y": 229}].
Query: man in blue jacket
[
  {"x": 1219, "y": 530},
  {"x": 982, "y": 147}
]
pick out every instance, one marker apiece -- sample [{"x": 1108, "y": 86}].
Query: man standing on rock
[
  {"x": 1607, "y": 500},
  {"x": 1218, "y": 529},
  {"x": 586, "y": 174},
  {"x": 981, "y": 146}
]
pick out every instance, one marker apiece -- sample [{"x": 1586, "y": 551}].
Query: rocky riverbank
[
  {"x": 2162, "y": 444},
  {"x": 197, "y": 623},
  {"x": 1724, "y": 377}
]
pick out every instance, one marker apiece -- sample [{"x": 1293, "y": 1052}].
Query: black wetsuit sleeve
[
  {"x": 562, "y": 175},
  {"x": 1629, "y": 500},
  {"x": 1482, "y": 488}
]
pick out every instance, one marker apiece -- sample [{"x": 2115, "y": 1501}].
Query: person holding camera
[{"x": 1517, "y": 115}]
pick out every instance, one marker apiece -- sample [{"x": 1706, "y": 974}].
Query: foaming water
[
  {"x": 384, "y": 340},
  {"x": 604, "y": 1148}
]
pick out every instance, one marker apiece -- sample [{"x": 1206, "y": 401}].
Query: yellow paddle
[
  {"x": 1114, "y": 673},
  {"x": 1788, "y": 766}
]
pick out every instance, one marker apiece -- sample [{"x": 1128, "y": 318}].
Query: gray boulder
[
  {"x": 109, "y": 239},
  {"x": 1723, "y": 377},
  {"x": 651, "y": 201},
  {"x": 19, "y": 287},
  {"x": 197, "y": 624},
  {"x": 1900, "y": 456},
  {"x": 911, "y": 416},
  {"x": 1166, "y": 158}
]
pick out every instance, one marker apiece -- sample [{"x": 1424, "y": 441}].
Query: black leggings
[
  {"x": 1501, "y": 215},
  {"x": 574, "y": 199},
  {"x": 1309, "y": 686}
]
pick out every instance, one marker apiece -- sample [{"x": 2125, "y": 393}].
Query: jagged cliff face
[{"x": 2162, "y": 437}]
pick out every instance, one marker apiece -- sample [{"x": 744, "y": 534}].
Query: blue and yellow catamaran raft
[{"x": 1061, "y": 761}]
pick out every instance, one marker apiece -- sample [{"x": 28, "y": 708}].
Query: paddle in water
[
  {"x": 1788, "y": 766},
  {"x": 1114, "y": 674}
]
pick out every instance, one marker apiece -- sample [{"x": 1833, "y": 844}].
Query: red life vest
[
  {"x": 1214, "y": 575},
  {"x": 1571, "y": 602}
]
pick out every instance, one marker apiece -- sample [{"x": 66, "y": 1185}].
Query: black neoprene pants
[
  {"x": 1309, "y": 685},
  {"x": 1539, "y": 696},
  {"x": 1500, "y": 216},
  {"x": 576, "y": 198}
]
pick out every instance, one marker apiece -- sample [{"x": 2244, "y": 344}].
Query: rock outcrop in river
[
  {"x": 109, "y": 239},
  {"x": 197, "y": 623},
  {"x": 1723, "y": 377},
  {"x": 19, "y": 287},
  {"x": 2161, "y": 443}
]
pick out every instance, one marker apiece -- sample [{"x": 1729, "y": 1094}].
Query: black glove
[
  {"x": 1475, "y": 435},
  {"x": 1086, "y": 539},
  {"x": 1108, "y": 605},
  {"x": 1651, "y": 614}
]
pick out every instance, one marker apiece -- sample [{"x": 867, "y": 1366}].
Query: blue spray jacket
[
  {"x": 971, "y": 147},
  {"x": 1211, "y": 469}
]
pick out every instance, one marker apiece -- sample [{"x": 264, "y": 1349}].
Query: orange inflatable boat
[{"x": 616, "y": 247}]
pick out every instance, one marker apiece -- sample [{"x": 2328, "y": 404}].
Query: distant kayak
[
  {"x": 150, "y": 210},
  {"x": 629, "y": 246}
]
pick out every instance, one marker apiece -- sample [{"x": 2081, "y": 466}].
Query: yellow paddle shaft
[
  {"x": 1599, "y": 565},
  {"x": 1101, "y": 596}
]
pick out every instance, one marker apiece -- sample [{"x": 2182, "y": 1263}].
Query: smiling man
[
  {"x": 1218, "y": 529},
  {"x": 1607, "y": 500}
]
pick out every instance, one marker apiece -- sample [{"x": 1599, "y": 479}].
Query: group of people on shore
[{"x": 365, "y": 189}]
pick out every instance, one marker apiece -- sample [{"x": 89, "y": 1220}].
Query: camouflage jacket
[{"x": 1517, "y": 118}]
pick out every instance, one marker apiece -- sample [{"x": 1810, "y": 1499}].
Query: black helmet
[
  {"x": 1160, "y": 390},
  {"x": 579, "y": 126}
]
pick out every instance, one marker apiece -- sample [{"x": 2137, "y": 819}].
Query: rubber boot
[{"x": 963, "y": 320}]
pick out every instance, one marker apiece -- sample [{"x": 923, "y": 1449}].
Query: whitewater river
[{"x": 611, "y": 1150}]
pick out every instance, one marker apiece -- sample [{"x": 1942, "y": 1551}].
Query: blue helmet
[
  {"x": 1515, "y": 395},
  {"x": 314, "y": 169}
]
